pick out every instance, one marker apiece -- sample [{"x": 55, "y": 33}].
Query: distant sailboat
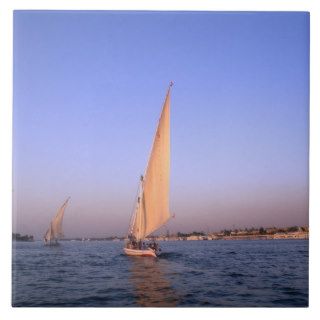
[
  {"x": 152, "y": 205},
  {"x": 54, "y": 233}
]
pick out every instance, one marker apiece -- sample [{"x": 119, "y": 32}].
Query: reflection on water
[
  {"x": 151, "y": 287},
  {"x": 268, "y": 273}
]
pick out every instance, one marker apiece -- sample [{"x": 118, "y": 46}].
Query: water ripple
[{"x": 188, "y": 274}]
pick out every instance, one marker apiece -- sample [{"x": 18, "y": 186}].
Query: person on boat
[
  {"x": 154, "y": 246},
  {"x": 132, "y": 244}
]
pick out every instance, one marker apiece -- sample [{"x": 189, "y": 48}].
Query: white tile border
[{"x": 6, "y": 10}]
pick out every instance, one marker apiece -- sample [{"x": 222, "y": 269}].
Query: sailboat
[
  {"x": 152, "y": 204},
  {"x": 54, "y": 232}
]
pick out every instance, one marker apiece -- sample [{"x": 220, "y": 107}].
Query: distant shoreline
[
  {"x": 287, "y": 236},
  {"x": 302, "y": 236},
  {"x": 24, "y": 238},
  {"x": 236, "y": 234}
]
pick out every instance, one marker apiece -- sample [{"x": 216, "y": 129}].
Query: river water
[{"x": 253, "y": 273}]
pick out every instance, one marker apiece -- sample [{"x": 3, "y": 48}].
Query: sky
[{"x": 88, "y": 90}]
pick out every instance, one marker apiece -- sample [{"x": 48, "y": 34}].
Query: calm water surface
[{"x": 262, "y": 273}]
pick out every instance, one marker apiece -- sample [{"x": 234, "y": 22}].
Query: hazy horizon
[{"x": 88, "y": 90}]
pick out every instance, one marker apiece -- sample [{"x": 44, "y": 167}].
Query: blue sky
[{"x": 88, "y": 90}]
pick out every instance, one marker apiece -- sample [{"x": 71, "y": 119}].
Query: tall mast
[{"x": 136, "y": 204}]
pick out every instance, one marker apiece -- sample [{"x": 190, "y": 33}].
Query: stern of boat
[{"x": 142, "y": 253}]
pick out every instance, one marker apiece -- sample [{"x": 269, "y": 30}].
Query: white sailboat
[
  {"x": 152, "y": 204},
  {"x": 54, "y": 232}
]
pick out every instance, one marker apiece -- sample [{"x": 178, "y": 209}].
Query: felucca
[
  {"x": 54, "y": 233},
  {"x": 152, "y": 204}
]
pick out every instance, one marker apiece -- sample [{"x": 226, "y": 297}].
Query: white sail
[
  {"x": 55, "y": 229},
  {"x": 48, "y": 235},
  {"x": 152, "y": 209}
]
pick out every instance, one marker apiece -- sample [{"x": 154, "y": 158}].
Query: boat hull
[
  {"x": 51, "y": 243},
  {"x": 141, "y": 253}
]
